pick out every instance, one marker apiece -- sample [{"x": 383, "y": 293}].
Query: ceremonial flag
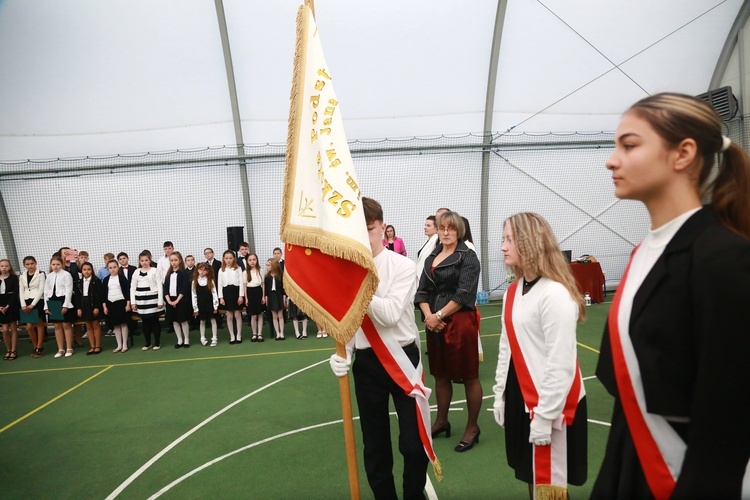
[{"x": 328, "y": 272}]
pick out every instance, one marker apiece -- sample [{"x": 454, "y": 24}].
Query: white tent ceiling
[{"x": 85, "y": 77}]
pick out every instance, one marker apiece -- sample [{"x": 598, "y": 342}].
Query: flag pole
[
  {"x": 348, "y": 419},
  {"x": 346, "y": 399}
]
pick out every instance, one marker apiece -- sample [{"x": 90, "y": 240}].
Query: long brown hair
[
  {"x": 10, "y": 266},
  {"x": 676, "y": 117},
  {"x": 209, "y": 275},
  {"x": 257, "y": 266},
  {"x": 181, "y": 267},
  {"x": 234, "y": 257},
  {"x": 275, "y": 268},
  {"x": 540, "y": 254}
]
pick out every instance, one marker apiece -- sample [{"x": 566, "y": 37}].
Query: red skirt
[{"x": 454, "y": 352}]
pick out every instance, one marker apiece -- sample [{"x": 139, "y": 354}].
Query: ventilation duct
[{"x": 723, "y": 101}]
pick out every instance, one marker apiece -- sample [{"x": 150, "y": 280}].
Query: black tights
[{"x": 151, "y": 324}]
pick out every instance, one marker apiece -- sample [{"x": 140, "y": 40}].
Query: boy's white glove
[
  {"x": 339, "y": 365},
  {"x": 541, "y": 431},
  {"x": 499, "y": 410}
]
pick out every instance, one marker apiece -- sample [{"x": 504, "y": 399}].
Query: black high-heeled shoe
[
  {"x": 466, "y": 446},
  {"x": 445, "y": 428}
]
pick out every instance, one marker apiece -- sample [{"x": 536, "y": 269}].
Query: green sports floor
[{"x": 252, "y": 420}]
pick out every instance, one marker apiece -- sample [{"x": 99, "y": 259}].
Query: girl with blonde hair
[{"x": 539, "y": 394}]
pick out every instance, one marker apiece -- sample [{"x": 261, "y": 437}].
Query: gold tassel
[
  {"x": 437, "y": 468},
  {"x": 481, "y": 356},
  {"x": 550, "y": 492}
]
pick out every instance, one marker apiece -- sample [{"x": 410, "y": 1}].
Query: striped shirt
[{"x": 146, "y": 291}]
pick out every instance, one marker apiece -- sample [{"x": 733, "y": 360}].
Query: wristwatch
[{"x": 439, "y": 314}]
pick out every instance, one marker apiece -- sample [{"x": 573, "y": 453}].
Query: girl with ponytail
[{"x": 675, "y": 348}]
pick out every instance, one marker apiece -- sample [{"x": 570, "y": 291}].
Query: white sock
[
  {"x": 177, "y": 331},
  {"x": 213, "y": 329},
  {"x": 186, "y": 332}
]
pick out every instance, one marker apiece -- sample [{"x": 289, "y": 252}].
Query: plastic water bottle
[{"x": 587, "y": 299}]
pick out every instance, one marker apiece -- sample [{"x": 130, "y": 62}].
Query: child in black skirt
[
  {"x": 231, "y": 285},
  {"x": 205, "y": 300},
  {"x": 32, "y": 302},
  {"x": 88, "y": 301},
  {"x": 177, "y": 296},
  {"x": 254, "y": 297},
  {"x": 298, "y": 315},
  {"x": 58, "y": 287},
  {"x": 273, "y": 296},
  {"x": 9, "y": 308},
  {"x": 116, "y": 304}
]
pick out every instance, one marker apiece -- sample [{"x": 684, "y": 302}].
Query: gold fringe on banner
[
  {"x": 344, "y": 330},
  {"x": 329, "y": 243},
  {"x": 437, "y": 468},
  {"x": 550, "y": 492}
]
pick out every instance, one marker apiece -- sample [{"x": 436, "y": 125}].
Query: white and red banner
[{"x": 329, "y": 271}]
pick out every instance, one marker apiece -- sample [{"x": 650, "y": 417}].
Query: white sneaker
[{"x": 157, "y": 347}]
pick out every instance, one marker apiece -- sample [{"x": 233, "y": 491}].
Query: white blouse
[
  {"x": 256, "y": 278},
  {"x": 231, "y": 277}
]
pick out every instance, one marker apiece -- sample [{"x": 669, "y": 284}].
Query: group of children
[{"x": 71, "y": 294}]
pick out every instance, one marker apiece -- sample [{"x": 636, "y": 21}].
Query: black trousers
[
  {"x": 373, "y": 386},
  {"x": 151, "y": 325}
]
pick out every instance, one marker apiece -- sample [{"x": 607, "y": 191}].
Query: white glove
[
  {"x": 339, "y": 365},
  {"x": 499, "y": 410},
  {"x": 541, "y": 431}
]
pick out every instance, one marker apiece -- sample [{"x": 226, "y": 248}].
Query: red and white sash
[
  {"x": 660, "y": 450},
  {"x": 410, "y": 378},
  {"x": 550, "y": 462}
]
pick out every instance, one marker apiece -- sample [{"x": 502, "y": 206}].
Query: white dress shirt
[{"x": 392, "y": 306}]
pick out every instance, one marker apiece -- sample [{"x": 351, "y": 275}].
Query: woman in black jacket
[{"x": 446, "y": 296}]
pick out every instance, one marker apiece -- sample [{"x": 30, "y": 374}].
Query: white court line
[
  {"x": 239, "y": 450},
  {"x": 177, "y": 441},
  {"x": 429, "y": 488},
  {"x": 588, "y": 378}
]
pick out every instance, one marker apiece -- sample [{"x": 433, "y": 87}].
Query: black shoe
[
  {"x": 238, "y": 341},
  {"x": 177, "y": 346},
  {"x": 260, "y": 338},
  {"x": 232, "y": 342},
  {"x": 185, "y": 345},
  {"x": 445, "y": 428},
  {"x": 466, "y": 446}
]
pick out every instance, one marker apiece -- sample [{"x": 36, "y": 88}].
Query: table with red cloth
[{"x": 589, "y": 279}]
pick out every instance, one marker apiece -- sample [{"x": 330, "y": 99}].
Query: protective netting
[{"x": 137, "y": 201}]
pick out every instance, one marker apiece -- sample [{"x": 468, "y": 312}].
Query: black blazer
[
  {"x": 456, "y": 278},
  {"x": 131, "y": 270},
  {"x": 95, "y": 292},
  {"x": 216, "y": 265},
  {"x": 690, "y": 328},
  {"x": 13, "y": 289},
  {"x": 124, "y": 286},
  {"x": 183, "y": 284}
]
